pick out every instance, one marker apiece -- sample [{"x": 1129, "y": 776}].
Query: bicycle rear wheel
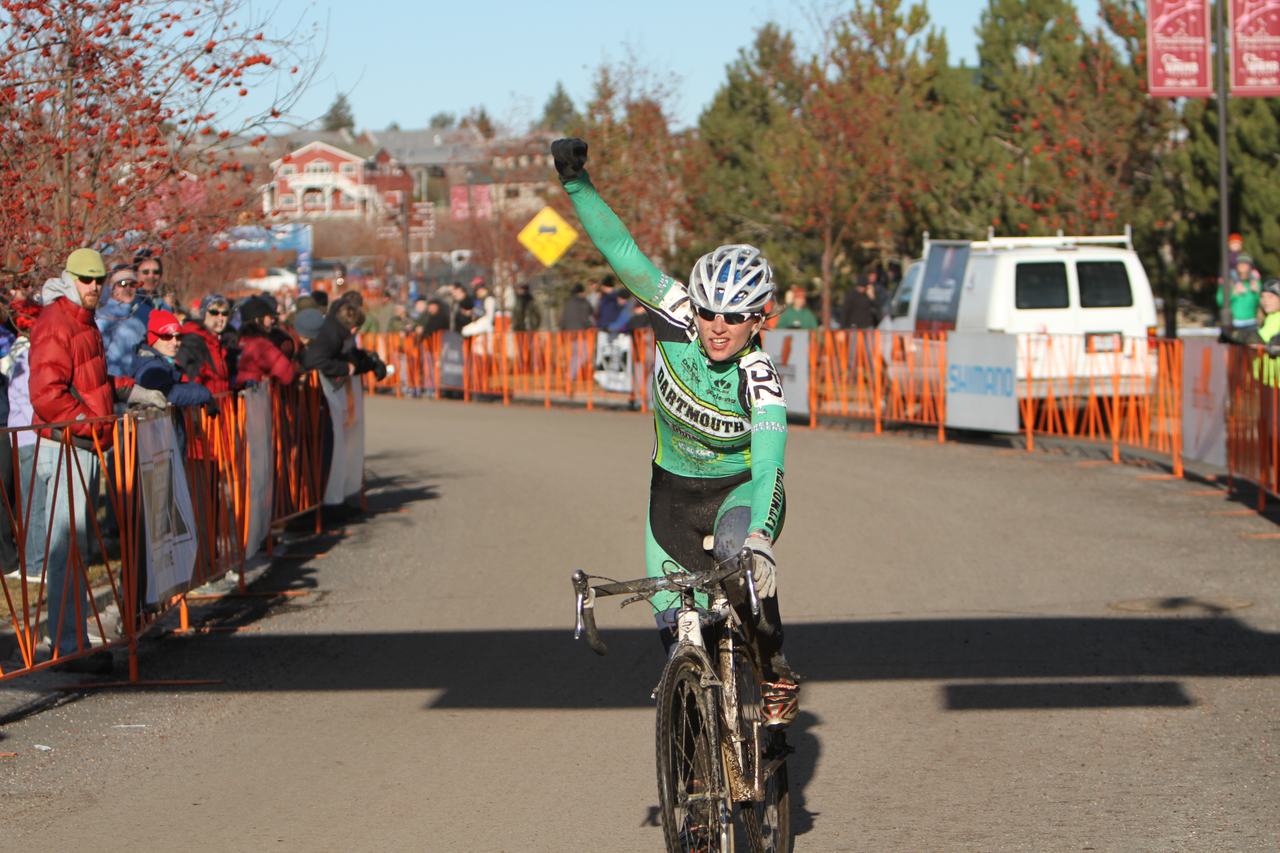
[
  {"x": 694, "y": 814},
  {"x": 767, "y": 822}
]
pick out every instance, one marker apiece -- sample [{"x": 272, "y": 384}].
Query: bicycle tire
[
  {"x": 688, "y": 758},
  {"x": 767, "y": 824}
]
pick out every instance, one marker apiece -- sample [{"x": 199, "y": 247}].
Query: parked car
[{"x": 271, "y": 279}]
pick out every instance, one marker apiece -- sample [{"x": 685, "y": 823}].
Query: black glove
[
  {"x": 379, "y": 368},
  {"x": 211, "y": 408},
  {"x": 570, "y": 156}
]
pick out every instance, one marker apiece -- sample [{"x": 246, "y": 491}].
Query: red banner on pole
[
  {"x": 1178, "y": 49},
  {"x": 1255, "y": 48}
]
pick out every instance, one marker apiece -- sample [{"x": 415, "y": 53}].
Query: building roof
[{"x": 431, "y": 147}]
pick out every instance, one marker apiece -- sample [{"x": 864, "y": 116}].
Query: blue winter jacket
[
  {"x": 154, "y": 371},
  {"x": 124, "y": 329}
]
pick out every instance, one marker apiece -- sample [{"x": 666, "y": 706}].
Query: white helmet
[{"x": 733, "y": 278}]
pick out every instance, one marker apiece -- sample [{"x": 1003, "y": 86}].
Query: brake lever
[
  {"x": 585, "y": 614},
  {"x": 746, "y": 561}
]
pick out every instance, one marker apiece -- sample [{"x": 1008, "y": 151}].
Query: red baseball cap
[{"x": 161, "y": 323}]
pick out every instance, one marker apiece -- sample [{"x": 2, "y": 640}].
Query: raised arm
[{"x": 605, "y": 229}]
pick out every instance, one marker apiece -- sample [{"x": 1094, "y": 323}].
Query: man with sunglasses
[
  {"x": 719, "y": 417},
  {"x": 70, "y": 383},
  {"x": 122, "y": 319}
]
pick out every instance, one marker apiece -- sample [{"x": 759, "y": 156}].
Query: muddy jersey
[{"x": 711, "y": 419}]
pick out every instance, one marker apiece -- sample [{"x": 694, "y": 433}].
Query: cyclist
[{"x": 720, "y": 421}]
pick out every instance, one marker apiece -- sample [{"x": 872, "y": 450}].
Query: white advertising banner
[
  {"x": 1204, "y": 400},
  {"x": 261, "y": 470},
  {"x": 789, "y": 350},
  {"x": 346, "y": 410},
  {"x": 981, "y": 387},
  {"x": 168, "y": 517},
  {"x": 613, "y": 362}
]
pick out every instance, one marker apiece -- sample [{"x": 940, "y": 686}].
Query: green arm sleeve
[
  {"x": 768, "y": 446},
  {"x": 611, "y": 237}
]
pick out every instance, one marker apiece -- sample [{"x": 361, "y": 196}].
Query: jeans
[
  {"x": 67, "y": 515},
  {"x": 32, "y": 510}
]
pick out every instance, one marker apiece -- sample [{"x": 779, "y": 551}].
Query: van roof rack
[{"x": 1061, "y": 241}]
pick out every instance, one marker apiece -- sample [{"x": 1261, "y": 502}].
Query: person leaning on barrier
[
  {"x": 260, "y": 358},
  {"x": 333, "y": 352},
  {"x": 156, "y": 366},
  {"x": 1266, "y": 368},
  {"x": 525, "y": 316},
  {"x": 69, "y": 383},
  {"x": 201, "y": 356}
]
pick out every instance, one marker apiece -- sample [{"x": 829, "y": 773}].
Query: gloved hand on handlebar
[
  {"x": 570, "y": 156},
  {"x": 764, "y": 568}
]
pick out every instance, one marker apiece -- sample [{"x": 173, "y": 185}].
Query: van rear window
[
  {"x": 1104, "y": 284},
  {"x": 1041, "y": 285}
]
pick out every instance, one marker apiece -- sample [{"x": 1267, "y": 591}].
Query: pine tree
[
  {"x": 442, "y": 121},
  {"x": 339, "y": 116},
  {"x": 479, "y": 119},
  {"x": 559, "y": 113}
]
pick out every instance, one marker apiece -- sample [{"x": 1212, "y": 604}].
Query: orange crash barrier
[
  {"x": 1253, "y": 419},
  {"x": 113, "y": 529}
]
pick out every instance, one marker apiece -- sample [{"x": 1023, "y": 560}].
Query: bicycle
[{"x": 715, "y": 758}]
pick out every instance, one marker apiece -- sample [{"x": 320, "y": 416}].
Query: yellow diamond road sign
[{"x": 547, "y": 236}]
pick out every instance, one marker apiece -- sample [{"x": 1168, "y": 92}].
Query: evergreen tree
[
  {"x": 339, "y": 116},
  {"x": 442, "y": 121},
  {"x": 479, "y": 119},
  {"x": 559, "y": 113},
  {"x": 731, "y": 198}
]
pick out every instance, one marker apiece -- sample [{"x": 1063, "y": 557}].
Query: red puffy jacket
[
  {"x": 69, "y": 378},
  {"x": 261, "y": 360},
  {"x": 214, "y": 374}
]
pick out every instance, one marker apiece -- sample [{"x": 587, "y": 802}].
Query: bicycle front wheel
[
  {"x": 694, "y": 814},
  {"x": 767, "y": 822}
]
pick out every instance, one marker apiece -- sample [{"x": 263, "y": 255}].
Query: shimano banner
[{"x": 982, "y": 388}]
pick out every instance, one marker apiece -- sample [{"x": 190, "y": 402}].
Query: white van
[{"x": 1082, "y": 306}]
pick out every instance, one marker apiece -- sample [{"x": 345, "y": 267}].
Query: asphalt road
[{"x": 985, "y": 667}]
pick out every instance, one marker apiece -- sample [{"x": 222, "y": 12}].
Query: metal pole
[{"x": 1224, "y": 203}]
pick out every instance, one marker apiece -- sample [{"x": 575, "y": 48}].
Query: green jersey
[{"x": 711, "y": 419}]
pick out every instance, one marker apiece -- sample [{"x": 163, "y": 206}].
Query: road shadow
[{"x": 544, "y": 668}]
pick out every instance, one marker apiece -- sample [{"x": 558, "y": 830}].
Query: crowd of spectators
[{"x": 94, "y": 342}]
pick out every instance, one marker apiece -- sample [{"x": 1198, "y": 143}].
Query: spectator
[
  {"x": 332, "y": 351},
  {"x": 1246, "y": 288},
  {"x": 608, "y": 308},
  {"x": 859, "y": 309},
  {"x": 122, "y": 320},
  {"x": 156, "y": 367},
  {"x": 260, "y": 358},
  {"x": 435, "y": 319},
  {"x": 30, "y": 488},
  {"x": 797, "y": 315},
  {"x": 576, "y": 314},
  {"x": 622, "y": 306},
  {"x": 461, "y": 309},
  {"x": 1266, "y": 368},
  {"x": 20, "y": 288},
  {"x": 151, "y": 287},
  {"x": 525, "y": 316},
  {"x": 398, "y": 322},
  {"x": 202, "y": 356},
  {"x": 484, "y": 310},
  {"x": 1235, "y": 245},
  {"x": 69, "y": 382},
  {"x": 307, "y": 323},
  {"x": 639, "y": 318}
]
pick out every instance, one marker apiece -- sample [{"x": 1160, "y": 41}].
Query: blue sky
[{"x": 403, "y": 61}]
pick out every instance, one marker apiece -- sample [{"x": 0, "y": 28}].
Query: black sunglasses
[
  {"x": 126, "y": 282},
  {"x": 216, "y": 313},
  {"x": 91, "y": 279},
  {"x": 731, "y": 319},
  {"x": 166, "y": 337}
]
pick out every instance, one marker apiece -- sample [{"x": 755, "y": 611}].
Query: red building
[{"x": 323, "y": 180}]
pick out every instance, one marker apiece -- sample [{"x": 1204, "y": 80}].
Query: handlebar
[{"x": 585, "y": 593}]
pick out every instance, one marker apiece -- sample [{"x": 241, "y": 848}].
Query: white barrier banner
[
  {"x": 1204, "y": 400},
  {"x": 981, "y": 387},
  {"x": 168, "y": 518},
  {"x": 789, "y": 351},
  {"x": 346, "y": 411},
  {"x": 258, "y": 437},
  {"x": 613, "y": 362}
]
